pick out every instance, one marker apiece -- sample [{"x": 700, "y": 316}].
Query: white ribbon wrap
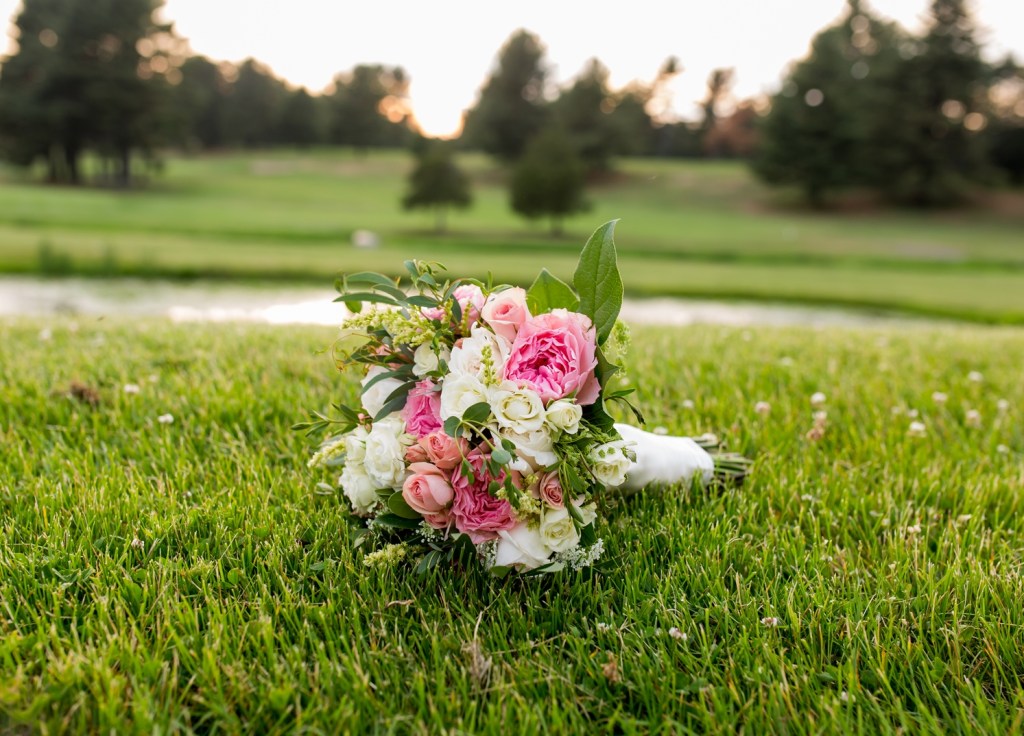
[{"x": 663, "y": 460}]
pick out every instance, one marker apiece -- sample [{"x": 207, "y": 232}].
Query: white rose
[
  {"x": 459, "y": 392},
  {"x": 385, "y": 453},
  {"x": 610, "y": 464},
  {"x": 558, "y": 531},
  {"x": 521, "y": 546},
  {"x": 425, "y": 360},
  {"x": 518, "y": 409},
  {"x": 355, "y": 446},
  {"x": 469, "y": 357},
  {"x": 359, "y": 489},
  {"x": 564, "y": 415},
  {"x": 534, "y": 447},
  {"x": 374, "y": 397}
]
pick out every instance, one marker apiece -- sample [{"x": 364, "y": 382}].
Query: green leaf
[
  {"x": 477, "y": 414},
  {"x": 605, "y": 368},
  {"x": 429, "y": 561},
  {"x": 501, "y": 456},
  {"x": 451, "y": 427},
  {"x": 367, "y": 296},
  {"x": 597, "y": 281},
  {"x": 364, "y": 277},
  {"x": 549, "y": 292},
  {"x": 399, "y": 507},
  {"x": 396, "y": 522}
]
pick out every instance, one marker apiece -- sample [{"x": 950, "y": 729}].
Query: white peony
[
  {"x": 385, "y": 453},
  {"x": 558, "y": 531},
  {"x": 359, "y": 489},
  {"x": 482, "y": 355},
  {"x": 564, "y": 415},
  {"x": 425, "y": 360},
  {"x": 535, "y": 447},
  {"x": 518, "y": 409},
  {"x": 610, "y": 463},
  {"x": 459, "y": 392},
  {"x": 377, "y": 394},
  {"x": 521, "y": 547},
  {"x": 355, "y": 446}
]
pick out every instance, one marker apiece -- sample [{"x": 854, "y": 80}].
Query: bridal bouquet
[{"x": 482, "y": 428}]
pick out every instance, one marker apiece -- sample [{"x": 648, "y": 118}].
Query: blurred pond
[{"x": 213, "y": 301}]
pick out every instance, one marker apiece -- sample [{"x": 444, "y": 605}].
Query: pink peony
[
  {"x": 506, "y": 311},
  {"x": 442, "y": 450},
  {"x": 428, "y": 492},
  {"x": 422, "y": 412},
  {"x": 476, "y": 512},
  {"x": 555, "y": 355},
  {"x": 550, "y": 489},
  {"x": 471, "y": 300}
]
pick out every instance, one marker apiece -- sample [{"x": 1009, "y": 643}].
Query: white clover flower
[
  {"x": 917, "y": 429},
  {"x": 939, "y": 398},
  {"x": 45, "y": 334},
  {"x": 820, "y": 417},
  {"x": 518, "y": 409},
  {"x": 1003, "y": 449},
  {"x": 688, "y": 403},
  {"x": 166, "y": 419},
  {"x": 973, "y": 418},
  {"x": 459, "y": 391},
  {"x": 770, "y": 621},
  {"x": 975, "y": 377},
  {"x": 818, "y": 398},
  {"x": 132, "y": 388},
  {"x": 374, "y": 397},
  {"x": 675, "y": 633},
  {"x": 914, "y": 529},
  {"x": 138, "y": 543},
  {"x": 564, "y": 415},
  {"x": 610, "y": 463},
  {"x": 763, "y": 408},
  {"x": 1003, "y": 406},
  {"x": 912, "y": 413}
]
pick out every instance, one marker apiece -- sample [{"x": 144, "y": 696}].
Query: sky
[{"x": 448, "y": 47}]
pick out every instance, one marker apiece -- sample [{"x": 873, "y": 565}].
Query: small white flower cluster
[{"x": 579, "y": 557}]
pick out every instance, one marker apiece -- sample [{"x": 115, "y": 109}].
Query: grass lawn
[
  {"x": 187, "y": 576},
  {"x": 688, "y": 229}
]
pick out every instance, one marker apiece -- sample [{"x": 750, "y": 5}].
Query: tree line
[{"x": 920, "y": 118}]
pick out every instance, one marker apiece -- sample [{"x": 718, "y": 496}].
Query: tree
[
  {"x": 253, "y": 105},
  {"x": 368, "y": 107},
  {"x": 87, "y": 73},
  {"x": 549, "y": 179},
  {"x": 924, "y": 145},
  {"x": 719, "y": 83},
  {"x": 299, "y": 124},
  {"x": 816, "y": 133},
  {"x": 583, "y": 111},
  {"x": 199, "y": 104},
  {"x": 511, "y": 109},
  {"x": 437, "y": 183}
]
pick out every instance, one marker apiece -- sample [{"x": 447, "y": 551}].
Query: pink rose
[
  {"x": 422, "y": 411},
  {"x": 428, "y": 492},
  {"x": 506, "y": 311},
  {"x": 416, "y": 454},
  {"x": 550, "y": 489},
  {"x": 436, "y": 313},
  {"x": 476, "y": 512},
  {"x": 555, "y": 355},
  {"x": 471, "y": 300},
  {"x": 442, "y": 450}
]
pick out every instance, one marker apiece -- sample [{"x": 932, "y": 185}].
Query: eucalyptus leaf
[
  {"x": 396, "y": 522},
  {"x": 477, "y": 413},
  {"x": 598, "y": 282}
]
